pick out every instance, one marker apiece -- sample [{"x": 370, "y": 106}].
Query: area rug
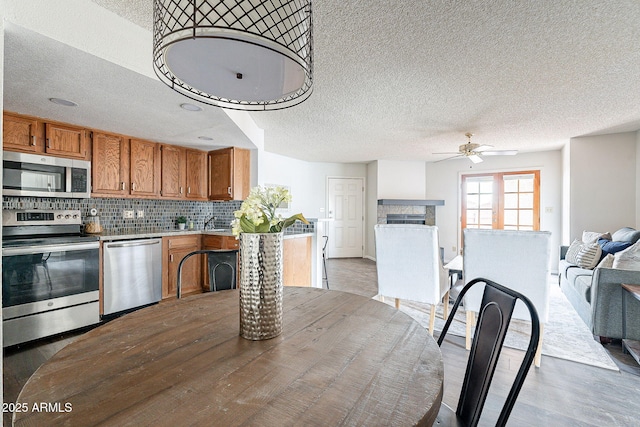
[{"x": 565, "y": 336}]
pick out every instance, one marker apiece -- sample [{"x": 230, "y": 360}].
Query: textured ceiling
[{"x": 403, "y": 79}]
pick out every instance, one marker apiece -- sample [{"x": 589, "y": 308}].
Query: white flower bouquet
[{"x": 257, "y": 213}]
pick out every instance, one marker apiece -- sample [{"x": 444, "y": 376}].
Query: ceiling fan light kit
[{"x": 236, "y": 54}]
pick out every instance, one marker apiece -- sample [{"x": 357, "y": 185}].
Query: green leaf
[
  {"x": 289, "y": 221},
  {"x": 246, "y": 225}
]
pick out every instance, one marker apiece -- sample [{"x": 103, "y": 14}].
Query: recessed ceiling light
[
  {"x": 191, "y": 107},
  {"x": 64, "y": 102},
  {"x": 205, "y": 138}
]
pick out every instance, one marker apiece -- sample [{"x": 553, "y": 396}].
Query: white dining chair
[
  {"x": 409, "y": 266},
  {"x": 518, "y": 259}
]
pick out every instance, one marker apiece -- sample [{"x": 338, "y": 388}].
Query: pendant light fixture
[{"x": 237, "y": 54}]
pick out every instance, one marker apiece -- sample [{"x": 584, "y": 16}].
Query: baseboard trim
[{"x": 369, "y": 257}]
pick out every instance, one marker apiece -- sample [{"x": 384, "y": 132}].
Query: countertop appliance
[
  {"x": 38, "y": 175},
  {"x": 50, "y": 274},
  {"x": 132, "y": 274}
]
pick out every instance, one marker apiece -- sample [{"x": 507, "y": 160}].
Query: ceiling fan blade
[
  {"x": 448, "y": 152},
  {"x": 483, "y": 148},
  {"x": 500, "y": 153},
  {"x": 448, "y": 158},
  {"x": 475, "y": 158}
]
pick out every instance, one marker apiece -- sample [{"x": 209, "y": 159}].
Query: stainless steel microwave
[{"x": 45, "y": 176}]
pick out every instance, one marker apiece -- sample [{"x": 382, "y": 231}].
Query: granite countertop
[{"x": 149, "y": 234}]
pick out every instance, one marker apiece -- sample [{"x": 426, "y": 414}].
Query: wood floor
[{"x": 560, "y": 393}]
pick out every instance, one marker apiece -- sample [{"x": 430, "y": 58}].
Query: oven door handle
[
  {"x": 30, "y": 250},
  {"x": 129, "y": 244}
]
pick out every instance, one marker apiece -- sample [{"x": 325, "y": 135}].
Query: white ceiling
[{"x": 392, "y": 80}]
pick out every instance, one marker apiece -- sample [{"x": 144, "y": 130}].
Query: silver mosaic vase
[{"x": 260, "y": 285}]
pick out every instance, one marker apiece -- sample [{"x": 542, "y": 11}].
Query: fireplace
[
  {"x": 406, "y": 219},
  {"x": 397, "y": 211}
]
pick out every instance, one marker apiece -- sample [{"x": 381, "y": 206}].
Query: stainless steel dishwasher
[{"x": 132, "y": 274}]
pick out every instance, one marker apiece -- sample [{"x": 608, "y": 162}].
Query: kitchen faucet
[{"x": 207, "y": 222}]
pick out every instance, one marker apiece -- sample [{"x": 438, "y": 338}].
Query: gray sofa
[{"x": 597, "y": 295}]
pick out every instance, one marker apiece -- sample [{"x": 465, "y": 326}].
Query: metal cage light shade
[{"x": 237, "y": 54}]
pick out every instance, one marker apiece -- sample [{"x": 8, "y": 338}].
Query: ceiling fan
[{"x": 474, "y": 151}]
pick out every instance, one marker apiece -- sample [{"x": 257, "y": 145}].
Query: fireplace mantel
[{"x": 410, "y": 202}]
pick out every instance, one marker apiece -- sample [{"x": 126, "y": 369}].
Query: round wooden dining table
[{"x": 342, "y": 359}]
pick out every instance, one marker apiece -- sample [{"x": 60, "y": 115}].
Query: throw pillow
[
  {"x": 593, "y": 236},
  {"x": 573, "y": 251},
  {"x": 626, "y": 234},
  {"x": 589, "y": 256},
  {"x": 606, "y": 262},
  {"x": 629, "y": 259},
  {"x": 609, "y": 247}
]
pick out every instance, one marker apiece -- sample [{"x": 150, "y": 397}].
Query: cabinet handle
[
  {"x": 189, "y": 190},
  {"x": 122, "y": 185},
  {"x": 133, "y": 186},
  {"x": 229, "y": 190},
  {"x": 48, "y": 142},
  {"x": 33, "y": 140},
  {"x": 180, "y": 190},
  {"x": 171, "y": 258}
]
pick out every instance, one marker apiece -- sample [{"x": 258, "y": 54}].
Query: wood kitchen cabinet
[
  {"x": 144, "y": 166},
  {"x": 229, "y": 174},
  {"x": 124, "y": 167},
  {"x": 174, "y": 248},
  {"x": 109, "y": 165},
  {"x": 196, "y": 174},
  {"x": 66, "y": 141},
  {"x": 183, "y": 173},
  {"x": 173, "y": 171},
  {"x": 32, "y": 135},
  {"x": 296, "y": 254},
  {"x": 20, "y": 133}
]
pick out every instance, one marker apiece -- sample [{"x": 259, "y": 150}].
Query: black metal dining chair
[
  {"x": 325, "y": 277},
  {"x": 494, "y": 316},
  {"x": 222, "y": 268}
]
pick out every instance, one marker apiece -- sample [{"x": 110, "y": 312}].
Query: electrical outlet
[
  {"x": 140, "y": 214},
  {"x": 126, "y": 214}
]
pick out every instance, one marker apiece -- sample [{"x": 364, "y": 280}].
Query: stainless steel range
[{"x": 49, "y": 274}]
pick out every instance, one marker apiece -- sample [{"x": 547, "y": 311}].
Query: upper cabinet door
[
  {"x": 220, "y": 170},
  {"x": 20, "y": 134},
  {"x": 173, "y": 171},
  {"x": 229, "y": 174},
  {"x": 145, "y": 168},
  {"x": 110, "y": 164},
  {"x": 196, "y": 174},
  {"x": 66, "y": 141}
]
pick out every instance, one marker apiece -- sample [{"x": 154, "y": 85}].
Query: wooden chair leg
[
  {"x": 471, "y": 320},
  {"x": 538, "y": 358},
  {"x": 445, "y": 306},
  {"x": 432, "y": 318},
  {"x": 398, "y": 303}
]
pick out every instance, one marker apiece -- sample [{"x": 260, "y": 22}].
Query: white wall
[
  {"x": 603, "y": 183},
  {"x": 371, "y": 213},
  {"x": 307, "y": 180},
  {"x": 401, "y": 180},
  {"x": 443, "y": 182}
]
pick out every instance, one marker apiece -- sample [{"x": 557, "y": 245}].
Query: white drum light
[{"x": 237, "y": 54}]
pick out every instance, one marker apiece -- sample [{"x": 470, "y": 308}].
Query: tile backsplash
[{"x": 159, "y": 215}]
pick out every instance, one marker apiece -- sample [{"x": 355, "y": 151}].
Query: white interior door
[{"x": 345, "y": 208}]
